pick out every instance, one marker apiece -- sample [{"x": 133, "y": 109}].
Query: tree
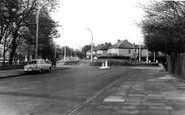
[
  {"x": 164, "y": 26},
  {"x": 15, "y": 16},
  {"x": 79, "y": 53},
  {"x": 85, "y": 49}
]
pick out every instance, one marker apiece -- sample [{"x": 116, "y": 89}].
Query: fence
[{"x": 176, "y": 65}]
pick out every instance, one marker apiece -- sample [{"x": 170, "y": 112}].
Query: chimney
[
  {"x": 119, "y": 40},
  {"x": 134, "y": 45}
]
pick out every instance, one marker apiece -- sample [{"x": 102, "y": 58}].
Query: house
[
  {"x": 88, "y": 53},
  {"x": 129, "y": 50},
  {"x": 121, "y": 48},
  {"x": 143, "y": 49},
  {"x": 98, "y": 51},
  {"x": 102, "y": 49}
]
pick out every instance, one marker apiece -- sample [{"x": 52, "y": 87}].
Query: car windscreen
[{"x": 32, "y": 62}]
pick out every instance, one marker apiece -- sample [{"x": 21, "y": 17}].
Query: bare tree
[
  {"x": 163, "y": 26},
  {"x": 15, "y": 16}
]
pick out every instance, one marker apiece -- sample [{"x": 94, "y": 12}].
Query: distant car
[{"x": 37, "y": 65}]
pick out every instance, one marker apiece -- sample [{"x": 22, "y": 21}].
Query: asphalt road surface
[{"x": 56, "y": 93}]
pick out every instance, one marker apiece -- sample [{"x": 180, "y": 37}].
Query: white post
[
  {"x": 147, "y": 56},
  {"x": 139, "y": 51},
  {"x": 55, "y": 52},
  {"x": 65, "y": 52},
  {"x": 106, "y": 63},
  {"x": 103, "y": 65},
  {"x": 71, "y": 53}
]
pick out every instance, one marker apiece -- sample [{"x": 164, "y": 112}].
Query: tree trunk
[
  {"x": 28, "y": 57},
  {"x": 12, "y": 54},
  {"x": 4, "y": 50},
  {"x": 13, "y": 48},
  {"x": 173, "y": 63},
  {"x": 4, "y": 53}
]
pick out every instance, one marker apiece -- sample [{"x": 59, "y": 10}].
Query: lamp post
[
  {"x": 55, "y": 52},
  {"x": 37, "y": 29},
  {"x": 65, "y": 52},
  {"x": 139, "y": 51},
  {"x": 147, "y": 56},
  {"x": 154, "y": 55},
  {"x": 91, "y": 45}
]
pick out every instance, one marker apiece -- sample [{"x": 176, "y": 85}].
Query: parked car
[{"x": 37, "y": 65}]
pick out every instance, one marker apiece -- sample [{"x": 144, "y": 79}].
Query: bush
[
  {"x": 118, "y": 62},
  {"x": 71, "y": 62}
]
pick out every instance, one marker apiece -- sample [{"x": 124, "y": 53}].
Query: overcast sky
[{"x": 109, "y": 20}]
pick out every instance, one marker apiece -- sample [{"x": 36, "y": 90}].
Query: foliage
[
  {"x": 164, "y": 26},
  {"x": 85, "y": 49},
  {"x": 17, "y": 23},
  {"x": 69, "y": 52}
]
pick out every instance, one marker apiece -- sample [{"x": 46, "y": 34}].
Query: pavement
[{"x": 147, "y": 91}]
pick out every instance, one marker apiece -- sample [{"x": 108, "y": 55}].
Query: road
[{"x": 57, "y": 92}]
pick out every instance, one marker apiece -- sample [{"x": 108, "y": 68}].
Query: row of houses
[{"x": 123, "y": 48}]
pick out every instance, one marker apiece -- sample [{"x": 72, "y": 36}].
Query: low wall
[
  {"x": 71, "y": 62},
  {"x": 11, "y": 67}
]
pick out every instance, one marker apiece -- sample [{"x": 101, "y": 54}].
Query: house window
[{"x": 129, "y": 51}]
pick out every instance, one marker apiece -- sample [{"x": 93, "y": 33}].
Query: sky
[{"x": 108, "y": 20}]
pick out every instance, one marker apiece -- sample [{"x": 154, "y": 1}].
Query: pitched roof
[
  {"x": 105, "y": 46},
  {"x": 142, "y": 46},
  {"x": 122, "y": 45},
  {"x": 100, "y": 46}
]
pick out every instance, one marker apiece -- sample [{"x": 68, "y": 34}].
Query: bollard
[{"x": 105, "y": 65}]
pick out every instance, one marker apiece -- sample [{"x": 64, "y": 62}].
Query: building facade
[
  {"x": 102, "y": 49},
  {"x": 123, "y": 48}
]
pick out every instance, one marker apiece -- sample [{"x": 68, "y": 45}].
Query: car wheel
[
  {"x": 41, "y": 71},
  {"x": 26, "y": 72},
  {"x": 49, "y": 69}
]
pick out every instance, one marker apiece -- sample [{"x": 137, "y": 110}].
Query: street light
[
  {"x": 37, "y": 29},
  {"x": 65, "y": 52},
  {"x": 55, "y": 52},
  {"x": 91, "y": 45},
  {"x": 139, "y": 51}
]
